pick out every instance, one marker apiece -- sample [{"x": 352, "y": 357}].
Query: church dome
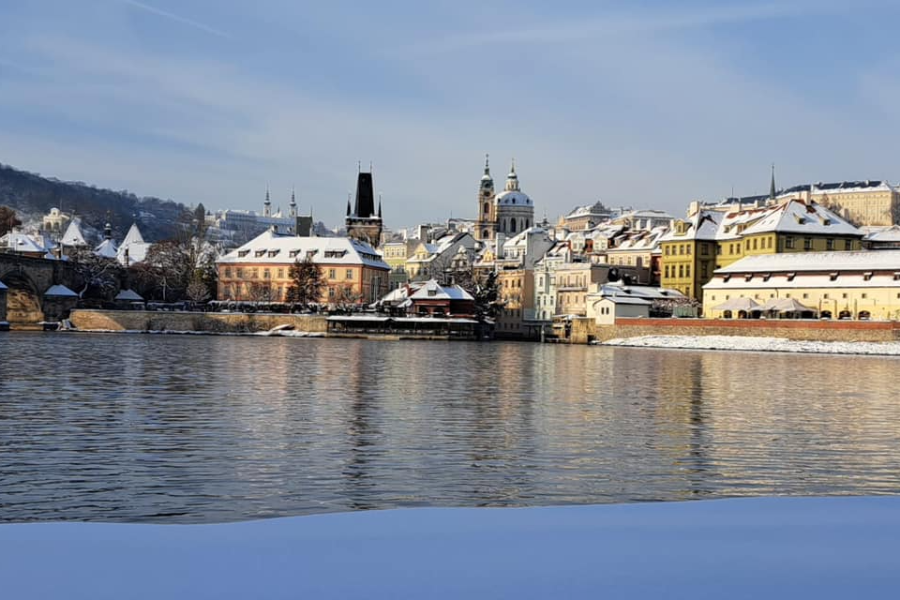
[{"x": 513, "y": 198}]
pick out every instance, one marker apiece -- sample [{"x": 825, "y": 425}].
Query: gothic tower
[
  {"x": 364, "y": 223},
  {"x": 486, "y": 221}
]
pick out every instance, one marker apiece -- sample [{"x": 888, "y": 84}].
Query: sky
[{"x": 644, "y": 103}]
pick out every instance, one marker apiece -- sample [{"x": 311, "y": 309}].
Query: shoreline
[{"x": 722, "y": 343}]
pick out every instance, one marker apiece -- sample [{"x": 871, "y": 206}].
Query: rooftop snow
[
  {"x": 273, "y": 248},
  {"x": 817, "y": 261}
]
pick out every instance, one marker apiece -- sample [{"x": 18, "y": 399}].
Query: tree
[
  {"x": 173, "y": 265},
  {"x": 197, "y": 291},
  {"x": 259, "y": 292},
  {"x": 96, "y": 272},
  {"x": 306, "y": 284},
  {"x": 347, "y": 298},
  {"x": 8, "y": 220}
]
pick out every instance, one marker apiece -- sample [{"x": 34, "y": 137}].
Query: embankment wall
[{"x": 137, "y": 320}]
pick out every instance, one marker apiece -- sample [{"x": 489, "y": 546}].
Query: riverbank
[
  {"x": 746, "y": 548},
  {"x": 756, "y": 344}
]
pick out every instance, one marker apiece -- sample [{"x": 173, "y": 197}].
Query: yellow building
[
  {"x": 259, "y": 271},
  {"x": 845, "y": 285},
  {"x": 788, "y": 226},
  {"x": 515, "y": 289},
  {"x": 785, "y": 227},
  {"x": 689, "y": 253}
]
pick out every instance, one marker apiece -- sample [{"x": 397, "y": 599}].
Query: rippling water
[{"x": 209, "y": 429}]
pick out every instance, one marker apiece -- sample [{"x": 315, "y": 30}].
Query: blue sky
[{"x": 643, "y": 103}]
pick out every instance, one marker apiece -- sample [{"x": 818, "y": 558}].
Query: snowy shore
[
  {"x": 746, "y": 548},
  {"x": 756, "y": 344}
]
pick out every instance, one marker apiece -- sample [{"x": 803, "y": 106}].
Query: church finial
[
  {"x": 772, "y": 190},
  {"x": 512, "y": 169},
  {"x": 487, "y": 164},
  {"x": 359, "y": 166}
]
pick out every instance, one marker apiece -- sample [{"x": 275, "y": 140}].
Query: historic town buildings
[
  {"x": 835, "y": 285},
  {"x": 259, "y": 271}
]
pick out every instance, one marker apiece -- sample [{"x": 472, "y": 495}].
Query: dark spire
[
  {"x": 365, "y": 196},
  {"x": 379, "y": 206},
  {"x": 348, "y": 204},
  {"x": 772, "y": 191}
]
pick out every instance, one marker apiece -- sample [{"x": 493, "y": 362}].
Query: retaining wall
[
  {"x": 137, "y": 320},
  {"x": 806, "y": 330}
]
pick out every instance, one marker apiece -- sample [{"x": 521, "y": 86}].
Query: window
[
  {"x": 243, "y": 253},
  {"x": 848, "y": 244},
  {"x": 240, "y": 273},
  {"x": 228, "y": 273},
  {"x": 280, "y": 273},
  {"x": 864, "y": 295},
  {"x": 789, "y": 243},
  {"x": 273, "y": 253},
  {"x": 704, "y": 249},
  {"x": 805, "y": 296},
  {"x": 844, "y": 295},
  {"x": 331, "y": 292},
  {"x": 688, "y": 249},
  {"x": 867, "y": 276},
  {"x": 825, "y": 296},
  {"x": 349, "y": 274},
  {"x": 331, "y": 274},
  {"x": 267, "y": 274},
  {"x": 687, "y": 270},
  {"x": 680, "y": 271},
  {"x": 259, "y": 253},
  {"x": 829, "y": 244},
  {"x": 293, "y": 253},
  {"x": 833, "y": 276},
  {"x": 807, "y": 243}
]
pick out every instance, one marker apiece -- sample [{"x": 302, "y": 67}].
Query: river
[{"x": 198, "y": 429}]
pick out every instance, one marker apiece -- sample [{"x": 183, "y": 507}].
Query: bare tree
[
  {"x": 306, "y": 283},
  {"x": 8, "y": 220},
  {"x": 99, "y": 273}
]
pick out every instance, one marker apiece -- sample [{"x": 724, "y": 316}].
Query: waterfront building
[
  {"x": 363, "y": 222},
  {"x": 515, "y": 291},
  {"x": 612, "y": 301},
  {"x": 845, "y": 285},
  {"x": 689, "y": 252},
  {"x": 508, "y": 212},
  {"x": 259, "y": 271},
  {"x": 433, "y": 299}
]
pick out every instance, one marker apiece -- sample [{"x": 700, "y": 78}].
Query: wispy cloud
[
  {"x": 177, "y": 18},
  {"x": 630, "y": 23}
]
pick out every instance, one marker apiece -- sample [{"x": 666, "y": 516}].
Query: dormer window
[
  {"x": 748, "y": 277},
  {"x": 790, "y": 276},
  {"x": 833, "y": 276},
  {"x": 260, "y": 253},
  {"x": 243, "y": 253},
  {"x": 273, "y": 253},
  {"x": 867, "y": 276},
  {"x": 767, "y": 276},
  {"x": 293, "y": 253}
]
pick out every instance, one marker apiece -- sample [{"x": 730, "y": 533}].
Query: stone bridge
[{"x": 25, "y": 302}]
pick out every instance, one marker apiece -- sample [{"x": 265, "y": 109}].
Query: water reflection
[{"x": 200, "y": 429}]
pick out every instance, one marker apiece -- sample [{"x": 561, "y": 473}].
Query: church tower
[
  {"x": 267, "y": 205},
  {"x": 363, "y": 222},
  {"x": 486, "y": 221}
]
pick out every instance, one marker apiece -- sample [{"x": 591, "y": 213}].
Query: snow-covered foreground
[
  {"x": 749, "y": 548},
  {"x": 756, "y": 344}
]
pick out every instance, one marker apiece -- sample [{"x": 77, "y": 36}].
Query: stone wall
[
  {"x": 136, "y": 320},
  {"x": 806, "y": 330}
]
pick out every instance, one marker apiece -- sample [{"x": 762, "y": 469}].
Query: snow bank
[
  {"x": 756, "y": 344},
  {"x": 752, "y": 548}
]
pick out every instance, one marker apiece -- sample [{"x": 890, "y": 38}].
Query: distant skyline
[{"x": 640, "y": 103}]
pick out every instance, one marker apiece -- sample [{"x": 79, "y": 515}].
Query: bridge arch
[{"x": 23, "y": 299}]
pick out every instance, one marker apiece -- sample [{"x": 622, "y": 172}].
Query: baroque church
[{"x": 510, "y": 212}]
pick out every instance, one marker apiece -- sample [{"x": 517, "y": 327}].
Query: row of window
[
  {"x": 253, "y": 273},
  {"x": 804, "y": 296},
  {"x": 790, "y": 243}
]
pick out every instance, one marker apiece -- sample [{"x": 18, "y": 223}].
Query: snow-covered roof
[
  {"x": 129, "y": 295},
  {"x": 641, "y": 241},
  {"x": 626, "y": 300},
  {"x": 22, "y": 242},
  {"x": 851, "y": 187},
  {"x": 597, "y": 209},
  {"x": 61, "y": 291},
  {"x": 513, "y": 198},
  {"x": 273, "y": 248},
  {"x": 432, "y": 290},
  {"x": 799, "y": 217},
  {"x": 702, "y": 225},
  {"x": 107, "y": 249},
  {"x": 73, "y": 235},
  {"x": 647, "y": 292},
  {"x": 883, "y": 234},
  {"x": 883, "y": 260},
  {"x": 133, "y": 236}
]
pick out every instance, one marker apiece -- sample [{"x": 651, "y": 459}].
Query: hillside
[{"x": 32, "y": 195}]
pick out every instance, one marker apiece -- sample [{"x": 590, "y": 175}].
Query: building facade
[
  {"x": 259, "y": 271},
  {"x": 834, "y": 285}
]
